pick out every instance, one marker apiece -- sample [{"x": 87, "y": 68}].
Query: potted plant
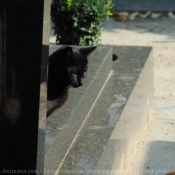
[{"x": 79, "y": 22}]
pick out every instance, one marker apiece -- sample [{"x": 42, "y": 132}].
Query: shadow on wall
[{"x": 160, "y": 158}]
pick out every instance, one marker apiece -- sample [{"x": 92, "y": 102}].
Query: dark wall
[{"x": 23, "y": 57}]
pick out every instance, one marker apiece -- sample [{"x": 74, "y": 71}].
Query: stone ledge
[
  {"x": 63, "y": 125},
  {"x": 109, "y": 137},
  {"x": 134, "y": 118}
]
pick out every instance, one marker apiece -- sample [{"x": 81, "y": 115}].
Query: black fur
[{"x": 67, "y": 68}]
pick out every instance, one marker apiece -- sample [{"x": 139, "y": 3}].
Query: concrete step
[
  {"x": 63, "y": 126},
  {"x": 108, "y": 138}
]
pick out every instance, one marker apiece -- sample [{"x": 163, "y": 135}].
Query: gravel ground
[{"x": 156, "y": 149}]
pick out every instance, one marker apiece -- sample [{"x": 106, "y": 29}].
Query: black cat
[{"x": 67, "y": 68}]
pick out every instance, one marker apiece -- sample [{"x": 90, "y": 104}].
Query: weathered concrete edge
[
  {"x": 124, "y": 140},
  {"x": 54, "y": 157}
]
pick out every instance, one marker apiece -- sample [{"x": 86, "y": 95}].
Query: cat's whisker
[{"x": 67, "y": 87}]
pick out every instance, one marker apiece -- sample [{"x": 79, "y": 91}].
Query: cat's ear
[
  {"x": 67, "y": 53},
  {"x": 87, "y": 50}
]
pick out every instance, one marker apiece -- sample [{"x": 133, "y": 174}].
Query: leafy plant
[
  {"x": 69, "y": 4},
  {"x": 79, "y": 22}
]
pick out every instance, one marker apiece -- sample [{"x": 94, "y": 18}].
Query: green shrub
[{"x": 79, "y": 22}]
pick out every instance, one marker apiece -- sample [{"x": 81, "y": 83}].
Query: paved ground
[{"x": 156, "y": 149}]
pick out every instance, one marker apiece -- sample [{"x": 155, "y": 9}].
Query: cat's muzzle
[{"x": 76, "y": 81}]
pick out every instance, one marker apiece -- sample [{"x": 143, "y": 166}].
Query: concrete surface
[
  {"x": 63, "y": 127},
  {"x": 121, "y": 146},
  {"x": 156, "y": 149}
]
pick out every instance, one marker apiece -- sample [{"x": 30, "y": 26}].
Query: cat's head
[{"x": 76, "y": 63}]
